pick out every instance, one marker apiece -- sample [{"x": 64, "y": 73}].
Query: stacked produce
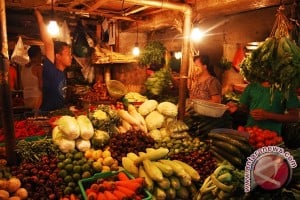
[
  {"x": 72, "y": 132},
  {"x": 97, "y": 93},
  {"x": 276, "y": 60},
  {"x": 24, "y": 129},
  {"x": 105, "y": 119},
  {"x": 200, "y": 126},
  {"x": 101, "y": 160},
  {"x": 114, "y": 187},
  {"x": 165, "y": 179},
  {"x": 159, "y": 81},
  {"x": 231, "y": 147},
  {"x": 202, "y": 161},
  {"x": 134, "y": 141},
  {"x": 262, "y": 137},
  {"x": 11, "y": 189},
  {"x": 41, "y": 178},
  {"x": 134, "y": 97},
  {"x": 184, "y": 145},
  {"x": 225, "y": 182}
]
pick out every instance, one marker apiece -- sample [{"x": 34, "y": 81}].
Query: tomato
[
  {"x": 260, "y": 145},
  {"x": 241, "y": 128},
  {"x": 278, "y": 139},
  {"x": 252, "y": 141},
  {"x": 268, "y": 142},
  {"x": 259, "y": 138},
  {"x": 248, "y": 128}
]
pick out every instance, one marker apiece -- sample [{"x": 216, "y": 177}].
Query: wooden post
[{"x": 5, "y": 96}]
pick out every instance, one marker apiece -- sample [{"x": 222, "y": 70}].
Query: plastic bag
[
  {"x": 20, "y": 55},
  {"x": 65, "y": 33}
]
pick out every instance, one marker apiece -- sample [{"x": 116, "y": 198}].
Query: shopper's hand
[
  {"x": 232, "y": 107},
  {"x": 259, "y": 114}
]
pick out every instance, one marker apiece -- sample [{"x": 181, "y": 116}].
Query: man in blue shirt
[{"x": 58, "y": 58}]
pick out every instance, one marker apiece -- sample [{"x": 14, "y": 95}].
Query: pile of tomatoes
[{"x": 261, "y": 137}]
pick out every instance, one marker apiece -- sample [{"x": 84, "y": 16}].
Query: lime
[
  {"x": 68, "y": 179},
  {"x": 77, "y": 169},
  {"x": 69, "y": 155},
  {"x": 68, "y": 161},
  {"x": 61, "y": 157},
  {"x": 69, "y": 167},
  {"x": 81, "y": 162},
  {"x": 86, "y": 174},
  {"x": 77, "y": 190},
  {"x": 62, "y": 173},
  {"x": 78, "y": 155},
  {"x": 75, "y": 162},
  {"x": 68, "y": 190},
  {"x": 86, "y": 167},
  {"x": 76, "y": 176},
  {"x": 72, "y": 184},
  {"x": 90, "y": 161},
  {"x": 60, "y": 165}
]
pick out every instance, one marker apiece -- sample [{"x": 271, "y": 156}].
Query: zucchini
[
  {"x": 217, "y": 155},
  {"x": 244, "y": 147},
  {"x": 237, "y": 162},
  {"x": 228, "y": 147}
]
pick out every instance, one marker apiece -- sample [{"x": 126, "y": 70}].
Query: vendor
[
  {"x": 265, "y": 111},
  {"x": 203, "y": 83}
]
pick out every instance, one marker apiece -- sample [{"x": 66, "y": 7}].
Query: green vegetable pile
[
  {"x": 153, "y": 53},
  {"x": 159, "y": 81},
  {"x": 276, "y": 60}
]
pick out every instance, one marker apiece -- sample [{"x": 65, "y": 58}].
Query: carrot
[
  {"x": 72, "y": 197},
  {"x": 120, "y": 195},
  {"x": 129, "y": 184},
  {"x": 95, "y": 187},
  {"x": 101, "y": 196},
  {"x": 108, "y": 185},
  {"x": 122, "y": 176},
  {"x": 130, "y": 193},
  {"x": 92, "y": 196},
  {"x": 109, "y": 195}
]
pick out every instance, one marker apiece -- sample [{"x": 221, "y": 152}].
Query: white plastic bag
[{"x": 20, "y": 55}]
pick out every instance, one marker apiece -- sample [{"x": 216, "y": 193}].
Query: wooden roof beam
[{"x": 97, "y": 5}]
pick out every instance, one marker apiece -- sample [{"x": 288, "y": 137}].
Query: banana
[{"x": 177, "y": 169}]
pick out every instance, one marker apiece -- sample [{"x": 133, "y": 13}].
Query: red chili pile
[{"x": 24, "y": 129}]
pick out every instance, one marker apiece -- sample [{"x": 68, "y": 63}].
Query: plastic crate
[{"x": 85, "y": 183}]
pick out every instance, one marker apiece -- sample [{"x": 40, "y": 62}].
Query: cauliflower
[
  {"x": 155, "y": 134},
  {"x": 154, "y": 120},
  {"x": 167, "y": 108},
  {"x": 66, "y": 145},
  {"x": 83, "y": 145},
  {"x": 86, "y": 127},
  {"x": 147, "y": 107},
  {"x": 57, "y": 135},
  {"x": 69, "y": 126}
]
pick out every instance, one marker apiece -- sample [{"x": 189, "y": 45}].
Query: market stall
[{"x": 123, "y": 143}]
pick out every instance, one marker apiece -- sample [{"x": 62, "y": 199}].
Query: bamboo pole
[{"x": 5, "y": 96}]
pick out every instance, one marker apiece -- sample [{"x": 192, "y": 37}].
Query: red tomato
[
  {"x": 259, "y": 145},
  {"x": 241, "y": 128},
  {"x": 259, "y": 138},
  {"x": 252, "y": 141},
  {"x": 268, "y": 142},
  {"x": 248, "y": 128}
]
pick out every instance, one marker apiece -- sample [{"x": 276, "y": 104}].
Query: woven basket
[{"x": 116, "y": 89}]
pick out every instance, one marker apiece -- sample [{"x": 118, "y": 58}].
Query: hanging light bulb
[
  {"x": 136, "y": 49},
  {"x": 178, "y": 55},
  {"x": 197, "y": 34},
  {"x": 53, "y": 28}
]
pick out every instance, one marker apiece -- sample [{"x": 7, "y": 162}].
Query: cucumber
[
  {"x": 244, "y": 147},
  {"x": 228, "y": 147},
  {"x": 217, "y": 156},
  {"x": 237, "y": 162}
]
